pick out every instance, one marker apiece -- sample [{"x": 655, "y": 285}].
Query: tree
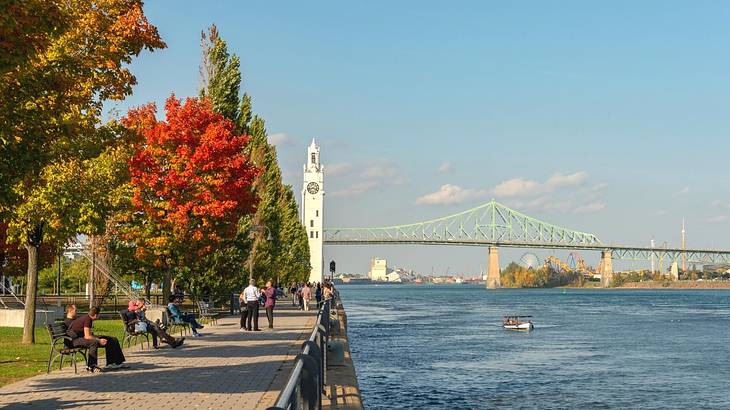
[
  {"x": 286, "y": 255},
  {"x": 51, "y": 95},
  {"x": 220, "y": 75},
  {"x": 26, "y": 28},
  {"x": 51, "y": 103},
  {"x": 191, "y": 181},
  {"x": 70, "y": 197}
]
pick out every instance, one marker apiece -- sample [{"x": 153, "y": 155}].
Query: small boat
[{"x": 514, "y": 323}]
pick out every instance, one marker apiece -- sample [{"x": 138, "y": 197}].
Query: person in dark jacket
[
  {"x": 318, "y": 295},
  {"x": 81, "y": 331}
]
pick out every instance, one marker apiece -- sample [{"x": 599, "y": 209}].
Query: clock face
[{"x": 312, "y": 188}]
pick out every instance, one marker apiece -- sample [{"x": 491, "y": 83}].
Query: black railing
[{"x": 305, "y": 386}]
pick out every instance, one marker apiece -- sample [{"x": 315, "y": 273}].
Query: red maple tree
[{"x": 190, "y": 174}]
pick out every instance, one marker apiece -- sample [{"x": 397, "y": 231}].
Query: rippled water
[{"x": 442, "y": 347}]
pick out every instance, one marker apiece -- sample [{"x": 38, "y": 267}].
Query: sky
[{"x": 610, "y": 118}]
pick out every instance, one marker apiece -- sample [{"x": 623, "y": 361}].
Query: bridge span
[{"x": 494, "y": 225}]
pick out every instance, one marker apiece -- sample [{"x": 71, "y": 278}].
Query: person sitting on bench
[
  {"x": 179, "y": 316},
  {"x": 81, "y": 331},
  {"x": 70, "y": 315},
  {"x": 136, "y": 317}
]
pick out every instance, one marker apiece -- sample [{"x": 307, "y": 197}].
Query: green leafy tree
[
  {"x": 220, "y": 75},
  {"x": 285, "y": 255},
  {"x": 50, "y": 106}
]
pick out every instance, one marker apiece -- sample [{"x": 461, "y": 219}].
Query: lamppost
[{"x": 252, "y": 230}]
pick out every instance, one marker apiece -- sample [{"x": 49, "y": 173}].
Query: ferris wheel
[{"x": 530, "y": 261}]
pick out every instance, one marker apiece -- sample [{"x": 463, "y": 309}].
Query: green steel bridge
[{"x": 495, "y": 225}]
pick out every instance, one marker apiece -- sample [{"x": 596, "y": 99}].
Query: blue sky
[{"x": 608, "y": 118}]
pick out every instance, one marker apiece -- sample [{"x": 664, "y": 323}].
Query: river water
[{"x": 442, "y": 347}]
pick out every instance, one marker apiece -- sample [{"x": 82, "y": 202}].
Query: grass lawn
[{"x": 18, "y": 361}]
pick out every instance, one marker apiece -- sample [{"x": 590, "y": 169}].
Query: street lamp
[{"x": 256, "y": 229}]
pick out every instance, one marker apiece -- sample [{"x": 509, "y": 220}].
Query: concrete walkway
[{"x": 224, "y": 369}]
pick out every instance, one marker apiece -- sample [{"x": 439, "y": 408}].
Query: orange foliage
[{"x": 190, "y": 174}]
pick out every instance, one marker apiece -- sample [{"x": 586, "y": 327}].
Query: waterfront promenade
[{"x": 224, "y": 369}]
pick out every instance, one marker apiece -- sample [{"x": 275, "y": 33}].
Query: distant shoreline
[
  {"x": 631, "y": 285},
  {"x": 675, "y": 285}
]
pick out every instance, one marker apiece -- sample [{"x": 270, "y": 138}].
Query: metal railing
[{"x": 305, "y": 386}]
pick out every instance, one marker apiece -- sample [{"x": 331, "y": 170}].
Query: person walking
[
  {"x": 300, "y": 288},
  {"x": 293, "y": 293},
  {"x": 270, "y": 294},
  {"x": 251, "y": 296},
  {"x": 243, "y": 307},
  {"x": 318, "y": 295},
  {"x": 327, "y": 292},
  {"x": 306, "y": 295}
]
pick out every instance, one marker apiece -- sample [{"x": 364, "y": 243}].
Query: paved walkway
[{"x": 224, "y": 369}]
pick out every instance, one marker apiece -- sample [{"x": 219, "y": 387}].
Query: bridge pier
[
  {"x": 606, "y": 268},
  {"x": 493, "y": 280}
]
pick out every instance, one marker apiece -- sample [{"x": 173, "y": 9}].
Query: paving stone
[{"x": 223, "y": 369}]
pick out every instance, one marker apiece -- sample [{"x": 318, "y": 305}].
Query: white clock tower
[{"x": 312, "y": 209}]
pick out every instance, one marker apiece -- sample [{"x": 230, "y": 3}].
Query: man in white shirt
[{"x": 251, "y": 296}]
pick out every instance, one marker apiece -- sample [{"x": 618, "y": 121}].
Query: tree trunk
[
  {"x": 31, "y": 290},
  {"x": 92, "y": 274},
  {"x": 148, "y": 285},
  {"x": 166, "y": 283}
]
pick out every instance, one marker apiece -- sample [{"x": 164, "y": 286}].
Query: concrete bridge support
[
  {"x": 606, "y": 268},
  {"x": 493, "y": 281}
]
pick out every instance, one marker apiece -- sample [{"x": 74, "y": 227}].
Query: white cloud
[
  {"x": 280, "y": 139},
  {"x": 719, "y": 218},
  {"x": 450, "y": 194},
  {"x": 559, "y": 180},
  {"x": 526, "y": 194},
  {"x": 444, "y": 168},
  {"x": 360, "y": 178},
  {"x": 684, "y": 190},
  {"x": 516, "y": 187},
  {"x": 589, "y": 208},
  {"x": 519, "y": 187}
]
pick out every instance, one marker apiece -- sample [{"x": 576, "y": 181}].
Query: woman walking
[
  {"x": 270, "y": 294},
  {"x": 306, "y": 295}
]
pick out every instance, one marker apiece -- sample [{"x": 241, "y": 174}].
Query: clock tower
[{"x": 312, "y": 209}]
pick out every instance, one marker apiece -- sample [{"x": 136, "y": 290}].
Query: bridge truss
[{"x": 493, "y": 224}]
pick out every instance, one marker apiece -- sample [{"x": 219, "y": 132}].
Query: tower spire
[{"x": 313, "y": 209}]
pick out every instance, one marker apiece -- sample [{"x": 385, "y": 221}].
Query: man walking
[{"x": 251, "y": 295}]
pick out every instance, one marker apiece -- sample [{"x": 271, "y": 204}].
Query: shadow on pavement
[
  {"x": 208, "y": 379},
  {"x": 55, "y": 404}
]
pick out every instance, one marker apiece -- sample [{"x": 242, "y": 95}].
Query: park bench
[
  {"x": 174, "y": 322},
  {"x": 61, "y": 346},
  {"x": 206, "y": 313},
  {"x": 130, "y": 334}
]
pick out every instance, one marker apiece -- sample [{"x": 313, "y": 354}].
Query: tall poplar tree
[{"x": 285, "y": 254}]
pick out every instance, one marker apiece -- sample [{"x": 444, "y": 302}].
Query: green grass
[{"x": 19, "y": 361}]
